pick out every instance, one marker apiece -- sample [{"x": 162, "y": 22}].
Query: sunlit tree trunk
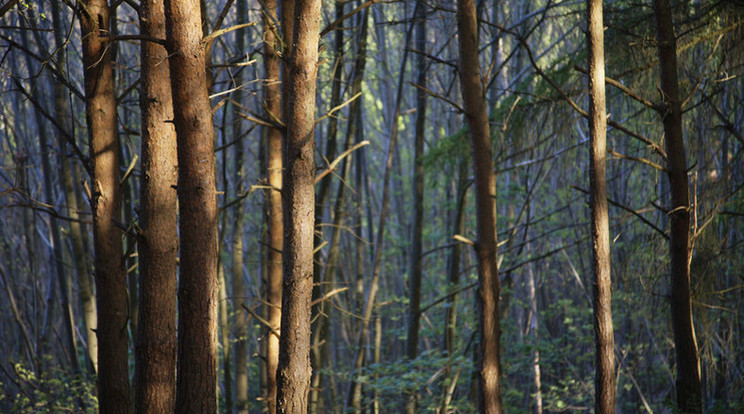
[
  {"x": 689, "y": 392},
  {"x": 605, "y": 387},
  {"x": 273, "y": 107},
  {"x": 110, "y": 276},
  {"x": 298, "y": 202},
  {"x": 155, "y": 368},
  {"x": 489, "y": 395},
  {"x": 198, "y": 285}
]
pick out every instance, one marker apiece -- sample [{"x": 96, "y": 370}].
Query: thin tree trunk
[
  {"x": 273, "y": 107},
  {"x": 689, "y": 391},
  {"x": 240, "y": 323},
  {"x": 155, "y": 368},
  {"x": 62, "y": 114},
  {"x": 110, "y": 275},
  {"x": 353, "y": 396},
  {"x": 605, "y": 388},
  {"x": 535, "y": 339},
  {"x": 198, "y": 286},
  {"x": 298, "y": 198},
  {"x": 56, "y": 246},
  {"x": 417, "y": 226},
  {"x": 489, "y": 395}
]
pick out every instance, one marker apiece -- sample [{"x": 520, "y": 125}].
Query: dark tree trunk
[
  {"x": 155, "y": 368},
  {"x": 417, "y": 226},
  {"x": 489, "y": 395},
  {"x": 689, "y": 391},
  {"x": 198, "y": 285},
  {"x": 110, "y": 275},
  {"x": 604, "y": 383}
]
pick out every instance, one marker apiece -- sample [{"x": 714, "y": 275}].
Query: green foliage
[{"x": 55, "y": 391}]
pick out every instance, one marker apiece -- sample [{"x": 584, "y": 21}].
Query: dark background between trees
[{"x": 88, "y": 304}]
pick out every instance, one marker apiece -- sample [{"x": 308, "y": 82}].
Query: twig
[{"x": 332, "y": 165}]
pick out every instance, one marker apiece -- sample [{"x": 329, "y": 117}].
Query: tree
[
  {"x": 298, "y": 198},
  {"x": 489, "y": 373},
  {"x": 155, "y": 351},
  {"x": 111, "y": 287},
  {"x": 417, "y": 225},
  {"x": 689, "y": 392},
  {"x": 604, "y": 382},
  {"x": 198, "y": 285},
  {"x": 273, "y": 108}
]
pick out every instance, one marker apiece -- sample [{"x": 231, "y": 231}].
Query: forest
[{"x": 372, "y": 206}]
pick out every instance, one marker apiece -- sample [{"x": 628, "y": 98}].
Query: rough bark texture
[
  {"x": 155, "y": 368},
  {"x": 198, "y": 285},
  {"x": 273, "y": 105},
  {"x": 294, "y": 371},
  {"x": 110, "y": 276},
  {"x": 489, "y": 395},
  {"x": 604, "y": 382},
  {"x": 689, "y": 392}
]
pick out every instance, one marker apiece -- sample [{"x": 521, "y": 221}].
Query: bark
[
  {"x": 110, "y": 275},
  {"x": 298, "y": 198},
  {"x": 273, "y": 106},
  {"x": 605, "y": 388},
  {"x": 689, "y": 392},
  {"x": 417, "y": 226},
  {"x": 198, "y": 284},
  {"x": 155, "y": 368},
  {"x": 489, "y": 395}
]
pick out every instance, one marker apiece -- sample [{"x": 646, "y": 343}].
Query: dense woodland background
[{"x": 528, "y": 49}]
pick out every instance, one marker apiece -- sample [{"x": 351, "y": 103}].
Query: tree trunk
[
  {"x": 417, "y": 226},
  {"x": 198, "y": 285},
  {"x": 273, "y": 106},
  {"x": 240, "y": 323},
  {"x": 489, "y": 395},
  {"x": 155, "y": 369},
  {"x": 110, "y": 275},
  {"x": 689, "y": 392},
  {"x": 298, "y": 198},
  {"x": 605, "y": 388}
]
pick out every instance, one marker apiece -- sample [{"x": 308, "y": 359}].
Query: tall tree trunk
[
  {"x": 240, "y": 323},
  {"x": 110, "y": 275},
  {"x": 489, "y": 395},
  {"x": 155, "y": 367},
  {"x": 273, "y": 107},
  {"x": 198, "y": 285},
  {"x": 417, "y": 226},
  {"x": 689, "y": 391},
  {"x": 605, "y": 388},
  {"x": 298, "y": 198}
]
